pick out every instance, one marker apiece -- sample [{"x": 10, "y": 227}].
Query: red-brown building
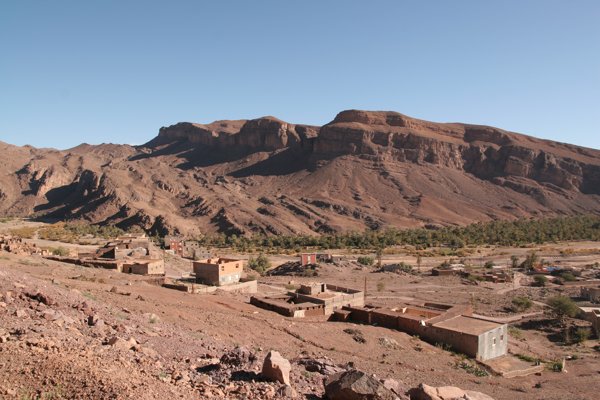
[{"x": 308, "y": 258}]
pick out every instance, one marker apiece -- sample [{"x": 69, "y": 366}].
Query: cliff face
[{"x": 361, "y": 170}]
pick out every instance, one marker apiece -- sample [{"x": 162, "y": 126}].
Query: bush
[
  {"x": 540, "y": 280},
  {"x": 581, "y": 335},
  {"x": 259, "y": 264},
  {"x": 380, "y": 286},
  {"x": 60, "y": 251},
  {"x": 563, "y": 307},
  {"x": 489, "y": 264},
  {"x": 521, "y": 303},
  {"x": 366, "y": 260},
  {"x": 568, "y": 277}
]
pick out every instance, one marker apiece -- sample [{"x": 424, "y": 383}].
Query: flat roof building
[
  {"x": 438, "y": 323},
  {"x": 218, "y": 271}
]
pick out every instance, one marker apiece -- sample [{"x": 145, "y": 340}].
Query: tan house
[
  {"x": 144, "y": 267},
  {"x": 218, "y": 271}
]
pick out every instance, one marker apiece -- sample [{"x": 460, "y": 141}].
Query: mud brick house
[
  {"x": 308, "y": 258},
  {"x": 218, "y": 271},
  {"x": 311, "y": 299},
  {"x": 144, "y": 267},
  {"x": 438, "y": 323},
  {"x": 175, "y": 244},
  {"x": 453, "y": 269},
  {"x": 591, "y": 294}
]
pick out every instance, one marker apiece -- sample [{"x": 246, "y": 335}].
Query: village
[{"x": 445, "y": 303}]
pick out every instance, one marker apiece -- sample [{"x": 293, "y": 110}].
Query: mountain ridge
[{"x": 362, "y": 170}]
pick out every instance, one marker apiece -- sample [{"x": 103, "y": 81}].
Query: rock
[
  {"x": 122, "y": 344},
  {"x": 51, "y": 315},
  {"x": 276, "y": 368},
  {"x": 238, "y": 357},
  {"x": 356, "y": 385},
  {"x": 286, "y": 392},
  {"x": 426, "y": 392},
  {"x": 394, "y": 386},
  {"x": 41, "y": 297},
  {"x": 94, "y": 320},
  {"x": 321, "y": 365},
  {"x": 20, "y": 313}
]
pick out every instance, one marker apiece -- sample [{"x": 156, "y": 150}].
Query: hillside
[{"x": 362, "y": 170}]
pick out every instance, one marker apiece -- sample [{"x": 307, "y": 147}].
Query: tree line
[{"x": 505, "y": 233}]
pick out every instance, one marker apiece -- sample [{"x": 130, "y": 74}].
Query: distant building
[
  {"x": 311, "y": 299},
  {"x": 144, "y": 267},
  {"x": 452, "y": 269},
  {"x": 218, "y": 271},
  {"x": 438, "y": 323},
  {"x": 175, "y": 244},
  {"x": 591, "y": 294},
  {"x": 308, "y": 258}
]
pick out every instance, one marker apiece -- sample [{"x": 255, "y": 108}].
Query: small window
[
  {"x": 501, "y": 338},
  {"x": 222, "y": 269},
  {"x": 494, "y": 342}
]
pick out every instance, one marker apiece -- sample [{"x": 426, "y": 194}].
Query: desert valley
[{"x": 375, "y": 257}]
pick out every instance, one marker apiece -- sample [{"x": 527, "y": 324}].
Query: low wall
[
  {"x": 242, "y": 287},
  {"x": 272, "y": 306}
]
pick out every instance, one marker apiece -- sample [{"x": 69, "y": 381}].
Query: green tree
[
  {"x": 531, "y": 261},
  {"x": 514, "y": 261},
  {"x": 259, "y": 264},
  {"x": 365, "y": 260},
  {"x": 563, "y": 307}
]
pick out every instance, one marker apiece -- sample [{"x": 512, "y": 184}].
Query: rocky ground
[{"x": 74, "y": 332}]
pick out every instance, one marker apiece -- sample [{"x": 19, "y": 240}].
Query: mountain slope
[{"x": 362, "y": 170}]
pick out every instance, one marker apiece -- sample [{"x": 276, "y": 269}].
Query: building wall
[
  {"x": 156, "y": 267},
  {"x": 218, "y": 274},
  {"x": 493, "y": 343},
  {"x": 591, "y": 294},
  {"x": 308, "y": 258}
]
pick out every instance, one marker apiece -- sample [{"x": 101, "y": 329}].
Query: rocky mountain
[{"x": 362, "y": 170}]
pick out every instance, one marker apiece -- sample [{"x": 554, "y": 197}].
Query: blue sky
[{"x": 116, "y": 71}]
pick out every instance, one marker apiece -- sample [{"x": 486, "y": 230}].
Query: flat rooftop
[{"x": 468, "y": 325}]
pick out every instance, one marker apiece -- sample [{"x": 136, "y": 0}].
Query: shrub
[
  {"x": 259, "y": 264},
  {"x": 489, "y": 264},
  {"x": 540, "y": 280},
  {"x": 563, "y": 307},
  {"x": 581, "y": 335},
  {"x": 521, "y": 303},
  {"x": 568, "y": 277},
  {"x": 380, "y": 286},
  {"x": 60, "y": 251},
  {"x": 366, "y": 260}
]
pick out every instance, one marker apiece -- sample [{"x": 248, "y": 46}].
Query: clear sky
[{"x": 116, "y": 71}]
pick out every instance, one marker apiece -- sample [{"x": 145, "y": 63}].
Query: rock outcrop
[
  {"x": 426, "y": 392},
  {"x": 356, "y": 385},
  {"x": 276, "y": 368}
]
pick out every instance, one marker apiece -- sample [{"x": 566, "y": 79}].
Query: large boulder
[
  {"x": 276, "y": 368},
  {"x": 356, "y": 385},
  {"x": 426, "y": 392}
]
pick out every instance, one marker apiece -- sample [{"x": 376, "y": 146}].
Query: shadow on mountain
[{"x": 283, "y": 163}]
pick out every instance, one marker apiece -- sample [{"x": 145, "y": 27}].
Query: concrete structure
[
  {"x": 144, "y": 267},
  {"x": 218, "y": 271},
  {"x": 194, "y": 288},
  {"x": 591, "y": 294},
  {"x": 308, "y": 258},
  {"x": 438, "y": 323},
  {"x": 311, "y": 299}
]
